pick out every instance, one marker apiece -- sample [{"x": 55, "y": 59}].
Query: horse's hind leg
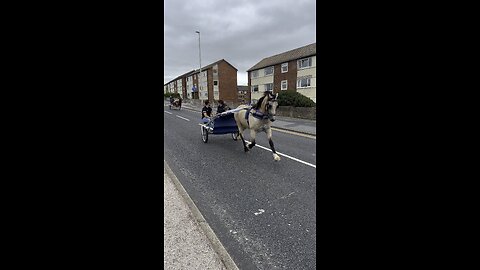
[{"x": 276, "y": 157}]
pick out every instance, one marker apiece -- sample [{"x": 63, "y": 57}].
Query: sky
[{"x": 242, "y": 32}]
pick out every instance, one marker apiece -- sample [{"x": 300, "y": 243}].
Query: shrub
[
  {"x": 295, "y": 99},
  {"x": 168, "y": 95}
]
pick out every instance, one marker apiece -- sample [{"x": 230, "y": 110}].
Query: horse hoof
[
  {"x": 276, "y": 157},
  {"x": 246, "y": 149}
]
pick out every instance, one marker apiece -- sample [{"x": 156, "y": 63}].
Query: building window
[
  {"x": 305, "y": 63},
  {"x": 215, "y": 82},
  {"x": 254, "y": 88},
  {"x": 303, "y": 82},
  {"x": 254, "y": 74},
  {"x": 268, "y": 71},
  {"x": 269, "y": 87},
  {"x": 284, "y": 85},
  {"x": 284, "y": 67}
]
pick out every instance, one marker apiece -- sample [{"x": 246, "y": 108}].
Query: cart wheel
[
  {"x": 204, "y": 134},
  {"x": 235, "y": 136}
]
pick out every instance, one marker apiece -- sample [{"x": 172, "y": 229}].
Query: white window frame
[
  {"x": 266, "y": 88},
  {"x": 301, "y": 61},
  {"x": 284, "y": 65},
  {"x": 286, "y": 85},
  {"x": 268, "y": 68},
  {"x": 308, "y": 82},
  {"x": 254, "y": 74},
  {"x": 253, "y": 88}
]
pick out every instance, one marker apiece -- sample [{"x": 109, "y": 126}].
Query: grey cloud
[{"x": 241, "y": 32}]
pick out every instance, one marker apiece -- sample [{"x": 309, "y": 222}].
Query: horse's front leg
[
  {"x": 240, "y": 132},
  {"x": 253, "y": 133},
  {"x": 276, "y": 157}
]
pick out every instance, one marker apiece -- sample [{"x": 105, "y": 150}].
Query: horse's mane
[{"x": 260, "y": 101}]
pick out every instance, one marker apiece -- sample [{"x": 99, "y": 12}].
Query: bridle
[
  {"x": 268, "y": 107},
  {"x": 259, "y": 115}
]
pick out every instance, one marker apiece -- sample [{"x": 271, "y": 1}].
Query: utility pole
[{"x": 200, "y": 60}]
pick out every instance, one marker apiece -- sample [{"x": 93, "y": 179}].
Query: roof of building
[
  {"x": 286, "y": 56},
  {"x": 214, "y": 63}
]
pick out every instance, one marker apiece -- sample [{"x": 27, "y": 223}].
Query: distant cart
[{"x": 223, "y": 123}]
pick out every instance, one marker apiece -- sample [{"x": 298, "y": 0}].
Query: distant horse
[
  {"x": 177, "y": 103},
  {"x": 258, "y": 118}
]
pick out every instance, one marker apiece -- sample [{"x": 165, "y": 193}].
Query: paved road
[{"x": 262, "y": 211}]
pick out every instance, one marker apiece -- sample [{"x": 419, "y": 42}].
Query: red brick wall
[
  {"x": 249, "y": 92},
  {"x": 195, "y": 82},
  {"x": 290, "y": 76},
  {"x": 184, "y": 86},
  {"x": 210, "y": 84},
  {"x": 227, "y": 80}
]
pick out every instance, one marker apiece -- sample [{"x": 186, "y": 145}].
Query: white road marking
[
  {"x": 287, "y": 156},
  {"x": 260, "y": 211},
  {"x": 168, "y": 112},
  {"x": 182, "y": 118}
]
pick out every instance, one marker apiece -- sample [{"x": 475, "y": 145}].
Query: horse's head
[{"x": 271, "y": 105}]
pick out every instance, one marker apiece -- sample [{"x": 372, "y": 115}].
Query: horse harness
[{"x": 256, "y": 114}]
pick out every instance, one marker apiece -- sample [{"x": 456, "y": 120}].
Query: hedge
[{"x": 295, "y": 99}]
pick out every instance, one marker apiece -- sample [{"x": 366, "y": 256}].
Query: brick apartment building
[
  {"x": 216, "y": 81},
  {"x": 291, "y": 70},
  {"x": 243, "y": 96}
]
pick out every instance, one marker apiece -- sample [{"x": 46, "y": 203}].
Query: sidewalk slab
[{"x": 185, "y": 245}]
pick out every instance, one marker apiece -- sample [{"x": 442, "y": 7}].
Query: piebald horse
[{"x": 258, "y": 118}]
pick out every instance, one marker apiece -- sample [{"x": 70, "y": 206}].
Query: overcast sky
[{"x": 242, "y": 32}]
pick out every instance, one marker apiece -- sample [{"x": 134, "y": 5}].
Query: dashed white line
[
  {"x": 182, "y": 118},
  {"x": 168, "y": 112},
  {"x": 287, "y": 156}
]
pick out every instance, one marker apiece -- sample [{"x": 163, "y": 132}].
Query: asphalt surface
[{"x": 262, "y": 211}]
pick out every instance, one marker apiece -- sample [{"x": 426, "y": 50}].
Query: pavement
[
  {"x": 304, "y": 126},
  {"x": 189, "y": 242}
]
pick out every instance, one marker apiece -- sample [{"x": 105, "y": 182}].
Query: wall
[
  {"x": 227, "y": 82},
  {"x": 297, "y": 112},
  {"x": 290, "y": 76},
  {"x": 311, "y": 91}
]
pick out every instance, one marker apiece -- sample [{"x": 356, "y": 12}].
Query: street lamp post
[
  {"x": 200, "y": 60},
  {"x": 199, "y": 50}
]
